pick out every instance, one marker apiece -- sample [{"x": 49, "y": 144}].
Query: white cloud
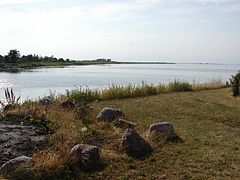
[
  {"x": 16, "y": 2},
  {"x": 65, "y": 29}
]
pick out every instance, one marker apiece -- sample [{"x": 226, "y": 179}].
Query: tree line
[{"x": 14, "y": 57}]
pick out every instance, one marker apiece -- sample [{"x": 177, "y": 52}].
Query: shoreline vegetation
[
  {"x": 14, "y": 62},
  {"x": 205, "y": 120},
  {"x": 114, "y": 92}
]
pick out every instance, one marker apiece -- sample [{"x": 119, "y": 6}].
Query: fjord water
[{"x": 38, "y": 82}]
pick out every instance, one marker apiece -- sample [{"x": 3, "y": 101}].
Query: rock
[
  {"x": 109, "y": 114},
  {"x": 121, "y": 123},
  {"x": 84, "y": 129},
  {"x": 86, "y": 153},
  {"x": 164, "y": 129},
  {"x": 10, "y": 166},
  {"x": 67, "y": 104},
  {"x": 18, "y": 140},
  {"x": 47, "y": 101},
  {"x": 134, "y": 145}
]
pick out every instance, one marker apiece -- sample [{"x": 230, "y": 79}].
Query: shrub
[
  {"x": 178, "y": 86},
  {"x": 235, "y": 84},
  {"x": 83, "y": 95}
]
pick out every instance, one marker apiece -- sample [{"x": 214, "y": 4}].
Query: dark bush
[{"x": 235, "y": 84}]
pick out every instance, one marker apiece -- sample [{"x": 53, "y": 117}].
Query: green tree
[{"x": 13, "y": 55}]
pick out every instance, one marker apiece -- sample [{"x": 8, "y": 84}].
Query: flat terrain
[{"x": 207, "y": 121}]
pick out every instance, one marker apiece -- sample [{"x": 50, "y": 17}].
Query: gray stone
[
  {"x": 10, "y": 166},
  {"x": 109, "y": 114},
  {"x": 47, "y": 101},
  {"x": 164, "y": 129},
  {"x": 17, "y": 140},
  {"x": 134, "y": 145},
  {"x": 86, "y": 153},
  {"x": 121, "y": 123},
  {"x": 68, "y": 104}
]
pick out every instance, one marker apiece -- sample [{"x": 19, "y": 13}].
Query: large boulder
[
  {"x": 134, "y": 145},
  {"x": 47, "y": 101},
  {"x": 86, "y": 153},
  {"x": 10, "y": 166},
  {"x": 121, "y": 123},
  {"x": 109, "y": 114},
  {"x": 164, "y": 131},
  {"x": 67, "y": 104}
]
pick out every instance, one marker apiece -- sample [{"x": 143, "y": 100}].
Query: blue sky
[{"x": 127, "y": 30}]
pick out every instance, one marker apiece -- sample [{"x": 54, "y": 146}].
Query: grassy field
[
  {"x": 207, "y": 121},
  {"x": 209, "y": 124}
]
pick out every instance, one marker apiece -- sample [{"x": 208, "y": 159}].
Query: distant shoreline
[{"x": 18, "y": 67}]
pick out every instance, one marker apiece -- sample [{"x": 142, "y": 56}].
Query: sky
[{"x": 186, "y": 31}]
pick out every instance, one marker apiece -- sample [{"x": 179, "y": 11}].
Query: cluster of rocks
[
  {"x": 133, "y": 143},
  {"x": 66, "y": 104}
]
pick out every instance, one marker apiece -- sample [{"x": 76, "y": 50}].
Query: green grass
[
  {"x": 207, "y": 121},
  {"x": 132, "y": 91},
  {"x": 38, "y": 64}
]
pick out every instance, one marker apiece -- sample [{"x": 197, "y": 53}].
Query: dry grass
[
  {"x": 214, "y": 84},
  {"x": 207, "y": 121}
]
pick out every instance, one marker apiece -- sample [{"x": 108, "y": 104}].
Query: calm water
[{"x": 38, "y": 82}]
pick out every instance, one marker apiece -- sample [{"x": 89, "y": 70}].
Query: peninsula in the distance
[{"x": 14, "y": 62}]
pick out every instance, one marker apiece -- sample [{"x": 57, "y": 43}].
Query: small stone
[
  {"x": 121, "y": 123},
  {"x": 47, "y": 101},
  {"x": 68, "y": 104},
  {"x": 11, "y": 165},
  {"x": 134, "y": 145},
  {"x": 109, "y": 114},
  {"x": 86, "y": 153},
  {"x": 84, "y": 129}
]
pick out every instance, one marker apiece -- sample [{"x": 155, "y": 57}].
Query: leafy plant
[{"x": 235, "y": 84}]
